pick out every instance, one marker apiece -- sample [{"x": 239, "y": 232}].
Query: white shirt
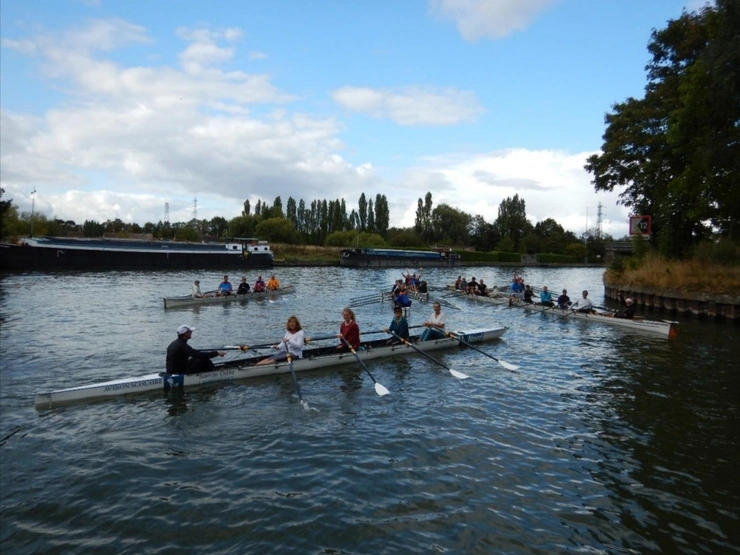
[
  {"x": 581, "y": 304},
  {"x": 438, "y": 321},
  {"x": 294, "y": 344},
  {"x": 196, "y": 291}
]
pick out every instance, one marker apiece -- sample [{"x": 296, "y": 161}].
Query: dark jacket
[{"x": 178, "y": 354}]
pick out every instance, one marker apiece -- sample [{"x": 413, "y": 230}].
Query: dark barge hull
[
  {"x": 143, "y": 257},
  {"x": 381, "y": 258}
]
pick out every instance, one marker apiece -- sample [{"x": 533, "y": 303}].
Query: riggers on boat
[
  {"x": 240, "y": 369},
  {"x": 665, "y": 328},
  {"x": 188, "y": 300}
]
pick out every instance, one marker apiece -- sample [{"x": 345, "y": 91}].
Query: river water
[{"x": 605, "y": 440}]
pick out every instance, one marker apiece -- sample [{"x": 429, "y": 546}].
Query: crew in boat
[
  {"x": 183, "y": 359},
  {"x": 564, "y": 300},
  {"x": 546, "y": 297},
  {"x": 273, "y": 284},
  {"x": 583, "y": 304},
  {"x": 224, "y": 288},
  {"x": 349, "y": 330},
  {"x": 628, "y": 312},
  {"x": 259, "y": 285},
  {"x": 292, "y": 343},
  {"x": 197, "y": 293},
  {"x": 243, "y": 288},
  {"x": 399, "y": 326}
]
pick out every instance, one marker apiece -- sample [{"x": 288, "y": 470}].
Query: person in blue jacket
[{"x": 399, "y": 326}]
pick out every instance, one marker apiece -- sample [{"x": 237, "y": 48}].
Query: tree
[
  {"x": 218, "y": 226},
  {"x": 423, "y": 222},
  {"x": 277, "y": 230},
  {"x": 512, "y": 220},
  {"x": 247, "y": 208},
  {"x": 362, "y": 212},
  {"x": 676, "y": 152},
  {"x": 450, "y": 225},
  {"x": 382, "y": 215},
  {"x": 91, "y": 228},
  {"x": 370, "y": 217}
]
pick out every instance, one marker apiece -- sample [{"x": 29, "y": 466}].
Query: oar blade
[
  {"x": 458, "y": 375},
  {"x": 508, "y": 365},
  {"x": 380, "y": 389}
]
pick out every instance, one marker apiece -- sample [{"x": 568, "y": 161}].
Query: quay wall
[{"x": 723, "y": 308}]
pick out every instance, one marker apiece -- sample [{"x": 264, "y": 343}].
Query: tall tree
[
  {"x": 450, "y": 225},
  {"x": 291, "y": 211},
  {"x": 247, "y": 208},
  {"x": 676, "y": 152},
  {"x": 370, "y": 217},
  {"x": 512, "y": 220},
  {"x": 362, "y": 205},
  {"x": 382, "y": 215},
  {"x": 423, "y": 222}
]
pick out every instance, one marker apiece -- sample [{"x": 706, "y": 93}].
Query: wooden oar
[
  {"x": 455, "y": 373},
  {"x": 379, "y": 388},
  {"x": 507, "y": 365},
  {"x": 295, "y": 381}
]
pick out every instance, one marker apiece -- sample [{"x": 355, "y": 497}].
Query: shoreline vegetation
[{"x": 687, "y": 276}]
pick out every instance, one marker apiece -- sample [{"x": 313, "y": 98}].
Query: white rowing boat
[
  {"x": 666, "y": 328},
  {"x": 314, "y": 358},
  {"x": 189, "y": 300}
]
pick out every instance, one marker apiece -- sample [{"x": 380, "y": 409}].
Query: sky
[{"x": 116, "y": 109}]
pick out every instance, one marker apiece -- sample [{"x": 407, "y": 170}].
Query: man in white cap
[
  {"x": 197, "y": 293},
  {"x": 183, "y": 359},
  {"x": 629, "y": 310}
]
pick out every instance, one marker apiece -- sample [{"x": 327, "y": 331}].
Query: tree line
[{"x": 329, "y": 223}]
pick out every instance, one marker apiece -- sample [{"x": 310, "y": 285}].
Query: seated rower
[
  {"x": 259, "y": 285},
  {"x": 546, "y": 297},
  {"x": 197, "y": 293},
  {"x": 272, "y": 284},
  {"x": 243, "y": 288},
  {"x": 224, "y": 288},
  {"x": 564, "y": 300},
  {"x": 183, "y": 359},
  {"x": 528, "y": 294},
  {"x": 482, "y": 290},
  {"x": 583, "y": 304},
  {"x": 628, "y": 312}
]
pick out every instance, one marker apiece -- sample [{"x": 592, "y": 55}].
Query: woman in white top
[
  {"x": 435, "y": 325},
  {"x": 292, "y": 343}
]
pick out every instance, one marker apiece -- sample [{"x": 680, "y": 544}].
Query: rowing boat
[
  {"x": 189, "y": 300},
  {"x": 666, "y": 328},
  {"x": 240, "y": 369}
]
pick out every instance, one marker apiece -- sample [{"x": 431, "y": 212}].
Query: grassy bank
[
  {"x": 305, "y": 253},
  {"x": 688, "y": 276}
]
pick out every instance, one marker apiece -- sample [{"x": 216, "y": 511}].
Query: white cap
[
  {"x": 184, "y": 329},
  {"x": 628, "y": 301}
]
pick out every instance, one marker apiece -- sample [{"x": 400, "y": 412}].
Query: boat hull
[
  {"x": 99, "y": 255},
  {"x": 189, "y": 301},
  {"x": 663, "y": 328},
  {"x": 314, "y": 359}
]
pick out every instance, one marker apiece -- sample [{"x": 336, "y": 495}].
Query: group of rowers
[
  {"x": 225, "y": 288},
  {"x": 184, "y": 359},
  {"x": 521, "y": 292}
]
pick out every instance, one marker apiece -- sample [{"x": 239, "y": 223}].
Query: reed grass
[{"x": 687, "y": 276}]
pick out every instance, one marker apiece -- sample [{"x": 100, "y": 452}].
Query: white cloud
[
  {"x": 488, "y": 18},
  {"x": 552, "y": 183},
  {"x": 256, "y": 55},
  {"x": 412, "y": 105}
]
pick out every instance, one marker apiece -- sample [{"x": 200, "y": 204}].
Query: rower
[{"x": 183, "y": 359}]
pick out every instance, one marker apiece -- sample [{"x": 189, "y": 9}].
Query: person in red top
[{"x": 349, "y": 330}]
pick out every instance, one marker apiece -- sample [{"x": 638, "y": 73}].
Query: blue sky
[{"x": 110, "y": 109}]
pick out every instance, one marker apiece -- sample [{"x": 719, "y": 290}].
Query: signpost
[{"x": 640, "y": 225}]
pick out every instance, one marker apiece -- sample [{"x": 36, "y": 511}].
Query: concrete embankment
[{"x": 707, "y": 306}]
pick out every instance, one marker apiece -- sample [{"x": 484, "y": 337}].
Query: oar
[
  {"x": 295, "y": 381},
  {"x": 539, "y": 311},
  {"x": 379, "y": 388},
  {"x": 455, "y": 373},
  {"x": 386, "y": 331},
  {"x": 507, "y": 365},
  {"x": 243, "y": 347}
]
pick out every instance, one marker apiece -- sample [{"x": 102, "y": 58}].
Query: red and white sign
[{"x": 640, "y": 225}]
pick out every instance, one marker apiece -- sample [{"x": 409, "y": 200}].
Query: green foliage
[
  {"x": 723, "y": 252},
  {"x": 477, "y": 256},
  {"x": 549, "y": 258},
  {"x": 506, "y": 245},
  {"x": 509, "y": 257},
  {"x": 277, "y": 230},
  {"x": 403, "y": 237},
  {"x": 512, "y": 221},
  {"x": 676, "y": 152},
  {"x": 341, "y": 239},
  {"x": 186, "y": 233},
  {"x": 450, "y": 225},
  {"x": 577, "y": 251}
]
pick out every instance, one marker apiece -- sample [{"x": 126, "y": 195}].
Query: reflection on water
[{"x": 604, "y": 441}]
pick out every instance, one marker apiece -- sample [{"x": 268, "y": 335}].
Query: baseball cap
[
  {"x": 628, "y": 301},
  {"x": 184, "y": 329}
]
